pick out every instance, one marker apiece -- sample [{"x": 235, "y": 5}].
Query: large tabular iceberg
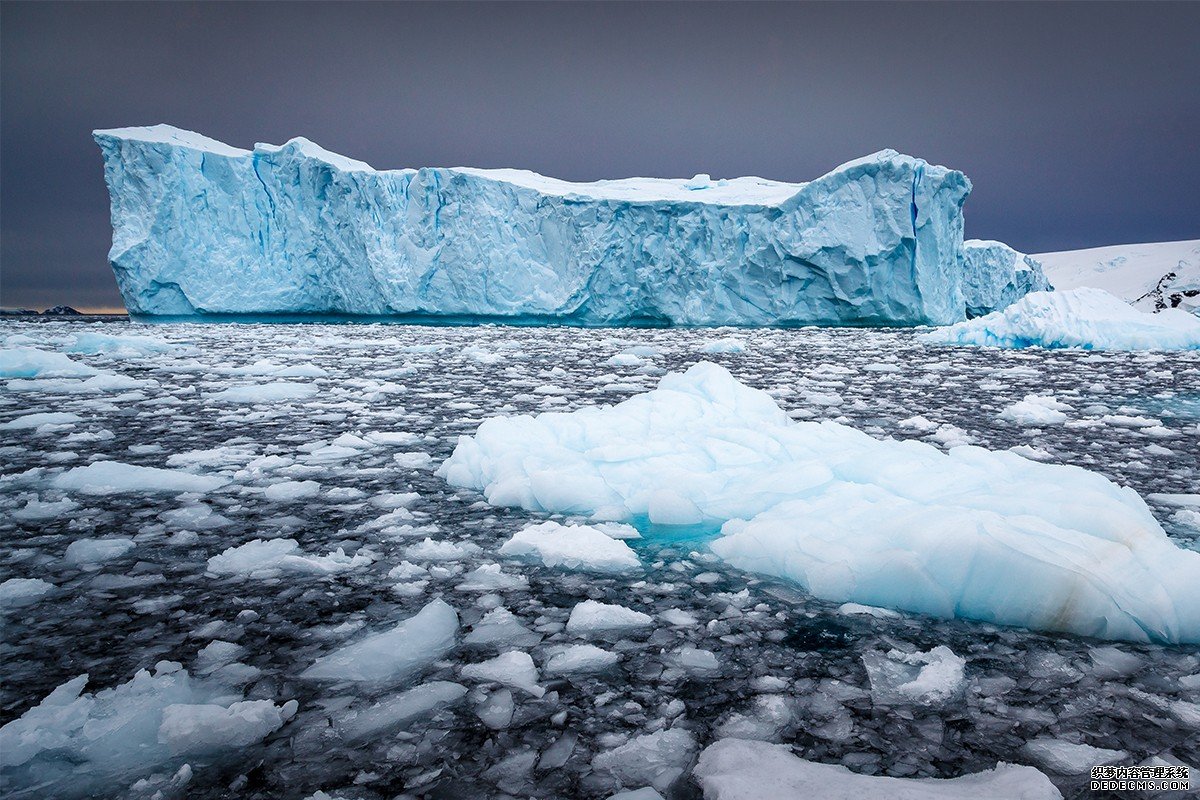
[
  {"x": 967, "y": 533},
  {"x": 202, "y": 228},
  {"x": 1089, "y": 319},
  {"x": 995, "y": 276}
]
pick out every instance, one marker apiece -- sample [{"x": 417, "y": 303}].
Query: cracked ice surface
[{"x": 727, "y": 655}]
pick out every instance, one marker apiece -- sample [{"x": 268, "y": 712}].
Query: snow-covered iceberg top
[
  {"x": 966, "y": 533},
  {"x": 202, "y": 228},
  {"x": 1090, "y": 319}
]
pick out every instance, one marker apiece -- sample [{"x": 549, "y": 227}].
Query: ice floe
[
  {"x": 737, "y": 769},
  {"x": 1089, "y": 319},
  {"x": 965, "y": 533}
]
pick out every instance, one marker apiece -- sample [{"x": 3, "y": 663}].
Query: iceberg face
[
  {"x": 967, "y": 533},
  {"x": 202, "y": 228},
  {"x": 1088, "y": 319},
  {"x": 995, "y": 276}
]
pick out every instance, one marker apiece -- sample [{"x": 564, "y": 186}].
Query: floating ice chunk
[
  {"x": 392, "y": 438},
  {"x": 1068, "y": 758},
  {"x": 17, "y": 592},
  {"x": 119, "y": 346},
  {"x": 919, "y": 423},
  {"x": 496, "y": 710},
  {"x": 1176, "y": 499},
  {"x": 1185, "y": 518},
  {"x": 501, "y": 627},
  {"x": 29, "y": 362},
  {"x": 290, "y": 491},
  {"x": 405, "y": 707},
  {"x": 263, "y": 558},
  {"x": 37, "y": 420},
  {"x": 592, "y": 617},
  {"x": 279, "y": 392},
  {"x": 849, "y": 517},
  {"x": 513, "y": 669},
  {"x": 696, "y": 660},
  {"x": 870, "y": 611},
  {"x": 393, "y": 500},
  {"x": 728, "y": 344},
  {"x": 1091, "y": 319},
  {"x": 1110, "y": 662},
  {"x": 1032, "y": 453},
  {"x": 392, "y": 656},
  {"x": 430, "y": 550},
  {"x": 407, "y": 571},
  {"x": 413, "y": 460},
  {"x": 1061, "y": 567},
  {"x": 1036, "y": 410},
  {"x": 98, "y": 744},
  {"x": 203, "y": 728},
  {"x": 490, "y": 578},
  {"x": 766, "y": 720},
  {"x": 657, "y": 759},
  {"x": 217, "y": 653},
  {"x": 96, "y": 551},
  {"x": 736, "y": 769},
  {"x": 227, "y": 455},
  {"x": 679, "y": 618},
  {"x": 930, "y": 679},
  {"x": 112, "y": 477},
  {"x": 37, "y": 510},
  {"x": 194, "y": 518},
  {"x": 701, "y": 180},
  {"x": 645, "y": 793},
  {"x": 580, "y": 659},
  {"x": 577, "y": 547}
]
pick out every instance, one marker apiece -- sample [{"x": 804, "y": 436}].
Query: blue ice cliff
[
  {"x": 996, "y": 276},
  {"x": 202, "y": 228}
]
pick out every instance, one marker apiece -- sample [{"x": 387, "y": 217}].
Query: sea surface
[{"x": 1135, "y": 417}]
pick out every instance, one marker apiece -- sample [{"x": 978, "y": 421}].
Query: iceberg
[
  {"x": 1086, "y": 319},
  {"x": 966, "y": 533},
  {"x": 201, "y": 228},
  {"x": 995, "y": 276}
]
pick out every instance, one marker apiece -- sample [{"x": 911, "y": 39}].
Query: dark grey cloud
[{"x": 1077, "y": 122}]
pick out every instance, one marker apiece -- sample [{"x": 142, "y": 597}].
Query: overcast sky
[{"x": 1078, "y": 123}]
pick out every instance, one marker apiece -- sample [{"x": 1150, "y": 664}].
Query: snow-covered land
[
  {"x": 1089, "y": 319},
  {"x": 273, "y": 595},
  {"x": 200, "y": 227},
  {"x": 1151, "y": 276}
]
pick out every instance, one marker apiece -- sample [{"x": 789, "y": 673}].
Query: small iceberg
[{"x": 1087, "y": 319}]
